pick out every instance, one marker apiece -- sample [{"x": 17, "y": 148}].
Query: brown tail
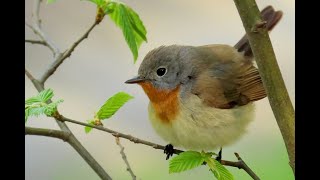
[{"x": 268, "y": 14}]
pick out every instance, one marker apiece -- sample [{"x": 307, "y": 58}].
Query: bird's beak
[{"x": 135, "y": 80}]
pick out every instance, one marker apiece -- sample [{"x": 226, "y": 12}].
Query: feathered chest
[{"x": 164, "y": 102}]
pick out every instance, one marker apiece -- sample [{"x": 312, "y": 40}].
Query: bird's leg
[
  {"x": 168, "y": 150},
  {"x": 219, "y": 157}
]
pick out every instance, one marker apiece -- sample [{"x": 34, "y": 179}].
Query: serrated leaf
[
  {"x": 112, "y": 105},
  {"x": 219, "y": 171},
  {"x": 45, "y": 95},
  {"x": 131, "y": 25},
  {"x": 32, "y": 100},
  {"x": 185, "y": 161},
  {"x": 88, "y": 129},
  {"x": 38, "y": 105}
]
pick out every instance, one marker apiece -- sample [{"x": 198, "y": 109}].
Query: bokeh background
[{"x": 99, "y": 66}]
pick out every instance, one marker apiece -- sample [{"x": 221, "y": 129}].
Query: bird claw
[
  {"x": 168, "y": 150},
  {"x": 219, "y": 157}
]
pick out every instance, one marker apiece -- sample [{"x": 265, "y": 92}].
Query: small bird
[{"x": 201, "y": 97}]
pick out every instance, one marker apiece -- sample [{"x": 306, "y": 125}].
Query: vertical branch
[
  {"x": 35, "y": 13},
  {"x": 270, "y": 73},
  {"x": 124, "y": 157}
]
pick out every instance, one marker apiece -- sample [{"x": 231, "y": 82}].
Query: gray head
[{"x": 164, "y": 66}]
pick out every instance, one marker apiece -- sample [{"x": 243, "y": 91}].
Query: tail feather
[{"x": 272, "y": 18}]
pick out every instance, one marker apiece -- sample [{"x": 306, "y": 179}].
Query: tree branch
[
  {"x": 73, "y": 141},
  {"x": 124, "y": 157},
  {"x": 47, "y": 132},
  {"x": 239, "y": 164},
  {"x": 35, "y": 42},
  {"x": 270, "y": 73},
  {"x": 36, "y": 27},
  {"x": 36, "y": 11},
  {"x": 34, "y": 81},
  {"x": 53, "y": 67}
]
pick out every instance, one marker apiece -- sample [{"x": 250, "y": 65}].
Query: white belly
[{"x": 198, "y": 127}]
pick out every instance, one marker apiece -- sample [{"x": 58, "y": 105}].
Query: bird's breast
[{"x": 164, "y": 102}]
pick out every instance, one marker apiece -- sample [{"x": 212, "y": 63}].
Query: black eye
[{"x": 161, "y": 71}]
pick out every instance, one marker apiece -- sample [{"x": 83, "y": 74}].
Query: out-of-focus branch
[
  {"x": 35, "y": 42},
  {"x": 36, "y": 11},
  {"x": 36, "y": 27},
  {"x": 47, "y": 132},
  {"x": 124, "y": 157},
  {"x": 270, "y": 73},
  {"x": 53, "y": 67}
]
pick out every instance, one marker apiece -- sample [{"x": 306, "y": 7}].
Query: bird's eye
[{"x": 161, "y": 71}]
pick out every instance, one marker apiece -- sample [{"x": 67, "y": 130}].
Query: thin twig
[
  {"x": 53, "y": 67},
  {"x": 36, "y": 11},
  {"x": 116, "y": 134},
  {"x": 47, "y": 132},
  {"x": 124, "y": 157},
  {"x": 35, "y": 42},
  {"x": 239, "y": 164},
  {"x": 36, "y": 27}
]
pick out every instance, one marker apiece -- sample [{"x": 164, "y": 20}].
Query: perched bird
[{"x": 201, "y": 97}]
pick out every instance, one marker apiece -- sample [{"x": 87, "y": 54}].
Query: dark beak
[{"x": 135, "y": 80}]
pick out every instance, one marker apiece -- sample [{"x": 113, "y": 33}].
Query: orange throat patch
[{"x": 164, "y": 102}]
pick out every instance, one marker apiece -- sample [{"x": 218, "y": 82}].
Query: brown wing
[{"x": 229, "y": 80}]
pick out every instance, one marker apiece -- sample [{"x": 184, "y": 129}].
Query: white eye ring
[{"x": 161, "y": 71}]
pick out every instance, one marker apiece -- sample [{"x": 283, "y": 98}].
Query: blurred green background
[{"x": 99, "y": 66}]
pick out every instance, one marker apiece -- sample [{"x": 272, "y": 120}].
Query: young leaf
[
  {"x": 88, "y": 129},
  {"x": 185, "y": 161},
  {"x": 112, "y": 105},
  {"x": 38, "y": 105},
  {"x": 131, "y": 25},
  {"x": 45, "y": 95},
  {"x": 219, "y": 171}
]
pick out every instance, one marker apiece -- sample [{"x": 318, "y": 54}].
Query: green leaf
[
  {"x": 38, "y": 105},
  {"x": 88, "y": 129},
  {"x": 185, "y": 161},
  {"x": 131, "y": 25},
  {"x": 112, "y": 105},
  {"x": 50, "y": 1},
  {"x": 219, "y": 171},
  {"x": 45, "y": 95},
  {"x": 101, "y": 3}
]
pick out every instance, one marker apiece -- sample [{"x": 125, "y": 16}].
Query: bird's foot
[
  {"x": 168, "y": 150},
  {"x": 219, "y": 157}
]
